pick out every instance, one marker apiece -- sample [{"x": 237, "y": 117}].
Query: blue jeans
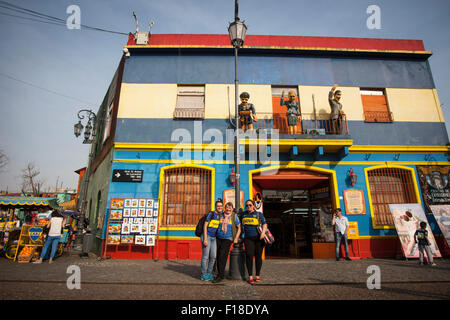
[
  {"x": 340, "y": 236},
  {"x": 210, "y": 252},
  {"x": 51, "y": 241}
]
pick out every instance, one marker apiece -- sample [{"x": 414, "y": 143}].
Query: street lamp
[
  {"x": 89, "y": 138},
  {"x": 237, "y": 31}
]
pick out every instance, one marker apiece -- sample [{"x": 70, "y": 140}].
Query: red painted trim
[
  {"x": 284, "y": 41},
  {"x": 192, "y": 250}
]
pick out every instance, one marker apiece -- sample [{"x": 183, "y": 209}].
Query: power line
[
  {"x": 46, "y": 18},
  {"x": 51, "y": 91}
]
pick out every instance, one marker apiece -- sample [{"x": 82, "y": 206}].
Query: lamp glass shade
[
  {"x": 77, "y": 129},
  {"x": 237, "y": 31}
]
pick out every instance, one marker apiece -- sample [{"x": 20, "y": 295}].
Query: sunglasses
[{"x": 248, "y": 205}]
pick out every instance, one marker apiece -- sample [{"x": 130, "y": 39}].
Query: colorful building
[{"x": 167, "y": 137}]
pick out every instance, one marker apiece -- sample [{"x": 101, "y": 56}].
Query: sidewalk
[{"x": 274, "y": 272}]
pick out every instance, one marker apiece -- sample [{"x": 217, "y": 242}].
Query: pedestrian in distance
[
  {"x": 253, "y": 241},
  {"x": 225, "y": 238},
  {"x": 341, "y": 226},
  {"x": 421, "y": 238},
  {"x": 208, "y": 239},
  {"x": 54, "y": 236}
]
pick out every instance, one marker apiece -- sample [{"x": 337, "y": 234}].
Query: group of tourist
[{"x": 222, "y": 228}]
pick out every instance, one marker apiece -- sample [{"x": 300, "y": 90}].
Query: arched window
[
  {"x": 389, "y": 186},
  {"x": 186, "y": 195}
]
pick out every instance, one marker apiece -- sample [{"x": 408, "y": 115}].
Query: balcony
[{"x": 309, "y": 125}]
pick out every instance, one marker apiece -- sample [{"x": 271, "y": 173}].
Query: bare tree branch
[{"x": 30, "y": 182}]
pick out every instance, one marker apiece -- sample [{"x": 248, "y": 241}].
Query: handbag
[{"x": 268, "y": 237}]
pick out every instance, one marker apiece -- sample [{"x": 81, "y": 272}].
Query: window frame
[
  {"x": 387, "y": 116},
  {"x": 164, "y": 197},
  {"x": 196, "y": 90},
  {"x": 413, "y": 191}
]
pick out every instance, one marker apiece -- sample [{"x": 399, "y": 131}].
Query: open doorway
[{"x": 296, "y": 204}]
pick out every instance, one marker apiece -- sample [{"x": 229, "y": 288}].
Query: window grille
[
  {"x": 186, "y": 196},
  {"x": 389, "y": 186},
  {"x": 190, "y": 102}
]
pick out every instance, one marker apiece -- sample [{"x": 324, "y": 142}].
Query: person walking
[
  {"x": 54, "y": 236},
  {"x": 208, "y": 239},
  {"x": 225, "y": 238},
  {"x": 253, "y": 241},
  {"x": 421, "y": 237},
  {"x": 341, "y": 226}
]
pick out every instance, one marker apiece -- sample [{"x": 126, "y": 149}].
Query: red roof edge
[{"x": 270, "y": 41}]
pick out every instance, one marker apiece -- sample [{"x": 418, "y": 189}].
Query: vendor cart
[{"x": 18, "y": 239}]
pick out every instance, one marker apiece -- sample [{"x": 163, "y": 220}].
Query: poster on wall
[
  {"x": 434, "y": 182},
  {"x": 354, "y": 202},
  {"x": 229, "y": 196},
  {"x": 442, "y": 216},
  {"x": 353, "y": 231},
  {"x": 407, "y": 218},
  {"x": 132, "y": 221}
]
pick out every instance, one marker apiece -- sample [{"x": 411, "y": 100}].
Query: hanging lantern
[
  {"x": 232, "y": 177},
  {"x": 353, "y": 177}
]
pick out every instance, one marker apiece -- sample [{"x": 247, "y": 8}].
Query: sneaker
[
  {"x": 337, "y": 259},
  {"x": 37, "y": 262},
  {"x": 210, "y": 276},
  {"x": 204, "y": 277},
  {"x": 348, "y": 259},
  {"x": 433, "y": 264}
]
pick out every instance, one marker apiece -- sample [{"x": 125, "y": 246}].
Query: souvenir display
[{"x": 132, "y": 221}]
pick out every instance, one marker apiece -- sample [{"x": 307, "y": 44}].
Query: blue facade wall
[{"x": 278, "y": 69}]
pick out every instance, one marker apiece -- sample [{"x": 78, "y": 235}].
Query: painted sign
[
  {"x": 229, "y": 196},
  {"x": 35, "y": 233},
  {"x": 434, "y": 182},
  {"x": 354, "y": 202},
  {"x": 407, "y": 218},
  {"x": 353, "y": 231},
  {"x": 121, "y": 175},
  {"x": 442, "y": 216}
]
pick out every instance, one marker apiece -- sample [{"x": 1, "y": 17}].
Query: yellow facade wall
[
  {"x": 415, "y": 105},
  {"x": 351, "y": 101},
  {"x": 159, "y": 100}
]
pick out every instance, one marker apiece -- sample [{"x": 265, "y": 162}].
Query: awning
[{"x": 28, "y": 202}]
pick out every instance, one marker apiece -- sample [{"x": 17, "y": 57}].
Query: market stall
[{"x": 20, "y": 237}]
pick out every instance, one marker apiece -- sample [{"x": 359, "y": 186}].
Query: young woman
[
  {"x": 224, "y": 239},
  {"x": 253, "y": 241},
  {"x": 208, "y": 239}
]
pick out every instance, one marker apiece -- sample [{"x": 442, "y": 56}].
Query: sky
[{"x": 48, "y": 72}]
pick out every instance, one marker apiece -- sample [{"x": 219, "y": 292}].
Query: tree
[{"x": 30, "y": 182}]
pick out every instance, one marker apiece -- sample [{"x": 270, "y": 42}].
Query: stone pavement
[{"x": 185, "y": 272}]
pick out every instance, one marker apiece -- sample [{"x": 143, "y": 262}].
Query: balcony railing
[
  {"x": 378, "y": 116},
  {"x": 307, "y": 124}
]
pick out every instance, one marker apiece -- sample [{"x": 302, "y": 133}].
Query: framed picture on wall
[{"x": 354, "y": 202}]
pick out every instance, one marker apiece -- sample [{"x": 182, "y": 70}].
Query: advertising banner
[
  {"x": 442, "y": 216},
  {"x": 407, "y": 218},
  {"x": 434, "y": 185}
]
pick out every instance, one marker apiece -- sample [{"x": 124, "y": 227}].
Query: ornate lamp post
[
  {"x": 89, "y": 138},
  {"x": 237, "y": 31}
]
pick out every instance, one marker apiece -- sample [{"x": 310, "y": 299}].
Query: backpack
[{"x": 200, "y": 224}]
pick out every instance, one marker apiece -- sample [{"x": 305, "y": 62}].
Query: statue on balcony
[
  {"x": 247, "y": 113},
  {"x": 336, "y": 109},
  {"x": 292, "y": 112}
]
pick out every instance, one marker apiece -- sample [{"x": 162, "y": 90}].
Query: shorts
[{"x": 246, "y": 120}]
